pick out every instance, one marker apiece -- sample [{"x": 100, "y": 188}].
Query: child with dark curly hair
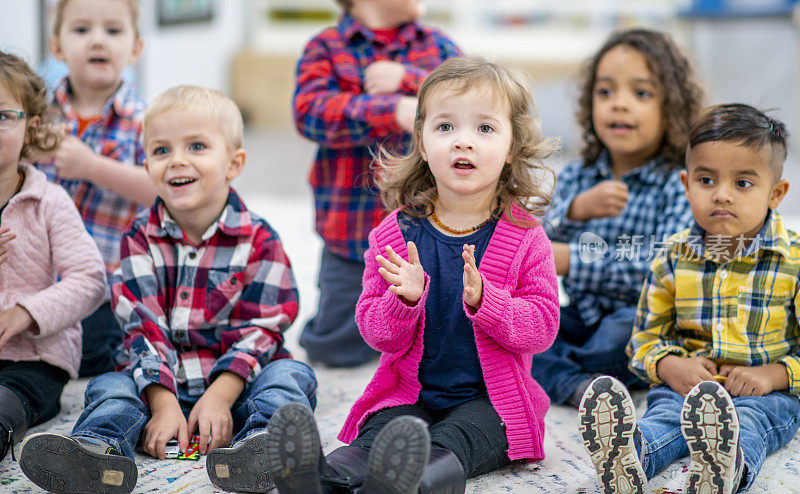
[{"x": 613, "y": 208}]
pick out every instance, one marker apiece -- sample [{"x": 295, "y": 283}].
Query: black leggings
[
  {"x": 471, "y": 430},
  {"x": 37, "y": 384}
]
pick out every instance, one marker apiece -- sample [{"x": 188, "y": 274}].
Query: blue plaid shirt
[{"x": 605, "y": 278}]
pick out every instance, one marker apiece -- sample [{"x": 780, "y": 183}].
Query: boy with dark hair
[
  {"x": 716, "y": 324},
  {"x": 356, "y": 88}
]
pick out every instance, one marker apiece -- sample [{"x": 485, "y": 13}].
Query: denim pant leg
[
  {"x": 662, "y": 440},
  {"x": 554, "y": 369},
  {"x": 280, "y": 382},
  {"x": 766, "y": 424},
  {"x": 101, "y": 336},
  {"x": 114, "y": 412},
  {"x": 604, "y": 352},
  {"x": 332, "y": 336}
]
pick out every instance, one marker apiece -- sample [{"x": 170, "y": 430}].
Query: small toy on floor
[{"x": 192, "y": 452}]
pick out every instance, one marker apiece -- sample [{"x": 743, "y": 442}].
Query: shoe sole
[
  {"x": 242, "y": 467},
  {"x": 293, "y": 450},
  {"x": 58, "y": 464},
  {"x": 710, "y": 425},
  {"x": 607, "y": 419},
  {"x": 398, "y": 457}
]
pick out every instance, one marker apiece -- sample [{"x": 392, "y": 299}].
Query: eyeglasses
[{"x": 10, "y": 118}]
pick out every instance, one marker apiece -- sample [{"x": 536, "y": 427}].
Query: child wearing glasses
[
  {"x": 51, "y": 273},
  {"x": 99, "y": 160}
]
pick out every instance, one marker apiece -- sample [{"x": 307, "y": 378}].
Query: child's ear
[
  {"x": 33, "y": 124},
  {"x": 138, "y": 47},
  {"x": 778, "y": 192},
  {"x": 55, "y": 48},
  {"x": 237, "y": 164},
  {"x": 685, "y": 182}
]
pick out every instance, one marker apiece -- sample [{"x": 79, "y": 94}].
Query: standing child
[
  {"x": 459, "y": 290},
  {"x": 719, "y": 306},
  {"x": 99, "y": 162},
  {"x": 203, "y": 294},
  {"x": 624, "y": 198},
  {"x": 356, "y": 88},
  {"x": 50, "y": 271}
]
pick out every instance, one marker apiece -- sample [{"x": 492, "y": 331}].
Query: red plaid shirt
[{"x": 332, "y": 109}]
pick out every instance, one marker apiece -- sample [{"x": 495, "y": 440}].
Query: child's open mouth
[
  {"x": 463, "y": 165},
  {"x": 620, "y": 126},
  {"x": 180, "y": 182}
]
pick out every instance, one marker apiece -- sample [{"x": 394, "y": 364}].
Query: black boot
[
  {"x": 443, "y": 474},
  {"x": 398, "y": 457},
  {"x": 294, "y": 455},
  {"x": 344, "y": 469},
  {"x": 13, "y": 421}
]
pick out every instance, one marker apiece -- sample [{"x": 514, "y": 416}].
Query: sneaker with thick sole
[
  {"x": 293, "y": 450},
  {"x": 710, "y": 425},
  {"x": 242, "y": 467},
  {"x": 607, "y": 421},
  {"x": 66, "y": 465},
  {"x": 398, "y": 457}
]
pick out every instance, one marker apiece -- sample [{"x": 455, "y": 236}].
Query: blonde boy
[
  {"x": 356, "y": 88},
  {"x": 99, "y": 162},
  {"x": 204, "y": 293},
  {"x": 716, "y": 329}
]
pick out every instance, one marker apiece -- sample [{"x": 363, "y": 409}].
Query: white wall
[
  {"x": 19, "y": 33},
  {"x": 189, "y": 54}
]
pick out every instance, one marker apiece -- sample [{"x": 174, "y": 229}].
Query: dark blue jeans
[
  {"x": 766, "y": 424},
  {"x": 580, "y": 351},
  {"x": 331, "y": 337},
  {"x": 115, "y": 412},
  {"x": 101, "y": 337}
]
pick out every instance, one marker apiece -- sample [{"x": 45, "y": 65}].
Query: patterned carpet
[{"x": 566, "y": 468}]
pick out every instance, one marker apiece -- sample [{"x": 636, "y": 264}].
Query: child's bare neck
[
  {"x": 464, "y": 209},
  {"x": 371, "y": 17},
  {"x": 88, "y": 102},
  {"x": 194, "y": 224}
]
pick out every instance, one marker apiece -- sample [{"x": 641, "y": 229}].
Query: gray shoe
[
  {"x": 710, "y": 425},
  {"x": 242, "y": 467},
  {"x": 293, "y": 450},
  {"x": 67, "y": 465},
  {"x": 607, "y": 422},
  {"x": 398, "y": 457}
]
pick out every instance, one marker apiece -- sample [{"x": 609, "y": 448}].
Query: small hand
[
  {"x": 406, "y": 279},
  {"x": 383, "y": 77},
  {"x": 13, "y": 321},
  {"x": 473, "y": 283},
  {"x": 6, "y": 236},
  {"x": 682, "y": 374},
  {"x": 213, "y": 420},
  {"x": 751, "y": 381},
  {"x": 604, "y": 200},
  {"x": 167, "y": 422},
  {"x": 406, "y": 112},
  {"x": 74, "y": 159}
]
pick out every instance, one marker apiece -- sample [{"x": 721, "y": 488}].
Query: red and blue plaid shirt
[
  {"x": 332, "y": 109},
  {"x": 190, "y": 312},
  {"x": 116, "y": 135}
]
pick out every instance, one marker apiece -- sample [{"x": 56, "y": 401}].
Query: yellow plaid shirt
[{"x": 741, "y": 312}]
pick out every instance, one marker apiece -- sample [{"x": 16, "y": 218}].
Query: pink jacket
[
  {"x": 518, "y": 316},
  {"x": 51, "y": 241}
]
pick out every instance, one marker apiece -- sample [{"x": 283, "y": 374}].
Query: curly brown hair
[
  {"x": 683, "y": 95},
  {"x": 29, "y": 89},
  {"x": 407, "y": 181}
]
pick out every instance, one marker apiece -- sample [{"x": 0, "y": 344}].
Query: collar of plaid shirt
[
  {"x": 350, "y": 27},
  {"x": 234, "y": 221},
  {"x": 772, "y": 236},
  {"x": 650, "y": 173},
  {"x": 123, "y": 102}
]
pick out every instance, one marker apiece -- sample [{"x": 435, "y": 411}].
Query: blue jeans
[
  {"x": 115, "y": 412},
  {"x": 101, "y": 337},
  {"x": 579, "y": 351},
  {"x": 766, "y": 424},
  {"x": 332, "y": 337}
]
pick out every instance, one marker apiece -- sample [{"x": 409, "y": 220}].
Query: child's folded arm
[
  {"x": 654, "y": 334},
  {"x": 333, "y": 117},
  {"x": 414, "y": 75},
  {"x": 386, "y": 322},
  {"x": 523, "y": 320},
  {"x": 79, "y": 265}
]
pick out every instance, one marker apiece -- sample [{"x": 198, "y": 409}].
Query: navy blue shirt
[{"x": 450, "y": 372}]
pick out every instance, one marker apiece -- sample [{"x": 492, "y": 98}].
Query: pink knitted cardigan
[{"x": 518, "y": 316}]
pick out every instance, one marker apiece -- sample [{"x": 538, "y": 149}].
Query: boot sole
[
  {"x": 710, "y": 425},
  {"x": 242, "y": 467},
  {"x": 59, "y": 464},
  {"x": 398, "y": 457},
  {"x": 607, "y": 419},
  {"x": 293, "y": 450}
]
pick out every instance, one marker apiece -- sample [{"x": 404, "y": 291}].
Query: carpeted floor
[{"x": 566, "y": 468}]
